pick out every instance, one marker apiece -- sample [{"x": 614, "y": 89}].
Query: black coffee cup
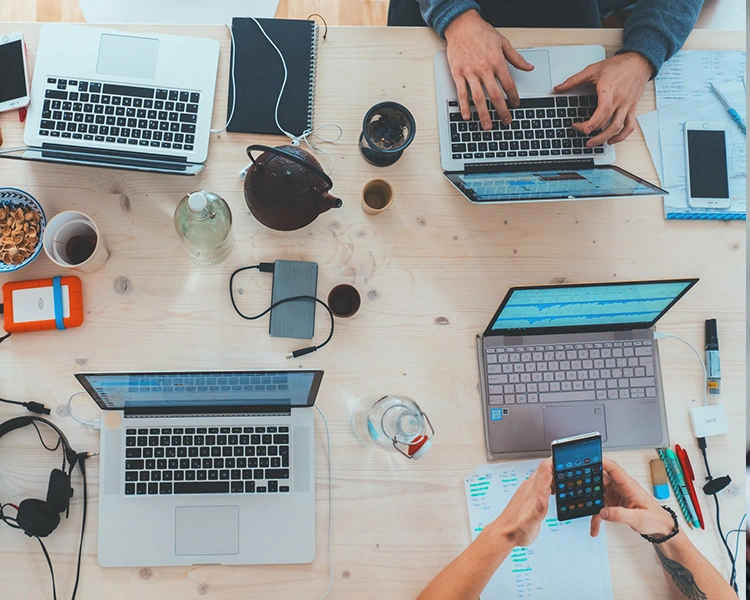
[{"x": 344, "y": 300}]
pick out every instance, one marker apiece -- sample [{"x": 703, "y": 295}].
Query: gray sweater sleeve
[
  {"x": 438, "y": 14},
  {"x": 658, "y": 28}
]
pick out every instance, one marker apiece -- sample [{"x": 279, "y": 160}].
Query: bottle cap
[
  {"x": 419, "y": 446},
  {"x": 197, "y": 202}
]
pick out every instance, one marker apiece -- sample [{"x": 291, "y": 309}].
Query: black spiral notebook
[{"x": 259, "y": 73}]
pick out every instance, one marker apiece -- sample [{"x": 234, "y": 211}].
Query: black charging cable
[
  {"x": 712, "y": 488},
  {"x": 35, "y": 407},
  {"x": 268, "y": 268}
]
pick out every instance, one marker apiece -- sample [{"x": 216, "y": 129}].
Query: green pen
[{"x": 674, "y": 465}]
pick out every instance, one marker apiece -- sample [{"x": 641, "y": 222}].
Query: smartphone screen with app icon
[{"x": 579, "y": 489}]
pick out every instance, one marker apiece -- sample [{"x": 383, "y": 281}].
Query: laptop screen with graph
[{"x": 586, "y": 307}]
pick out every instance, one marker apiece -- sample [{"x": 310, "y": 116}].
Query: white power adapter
[{"x": 709, "y": 420}]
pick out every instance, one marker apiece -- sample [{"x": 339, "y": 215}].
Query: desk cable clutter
[
  {"x": 39, "y": 518},
  {"x": 709, "y": 420}
]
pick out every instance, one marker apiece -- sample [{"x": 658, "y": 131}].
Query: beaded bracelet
[{"x": 674, "y": 532}]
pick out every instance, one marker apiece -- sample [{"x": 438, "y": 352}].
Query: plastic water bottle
[
  {"x": 203, "y": 222},
  {"x": 393, "y": 423}
]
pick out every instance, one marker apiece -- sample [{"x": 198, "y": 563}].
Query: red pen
[{"x": 687, "y": 470}]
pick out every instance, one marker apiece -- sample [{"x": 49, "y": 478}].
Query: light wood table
[{"x": 431, "y": 271}]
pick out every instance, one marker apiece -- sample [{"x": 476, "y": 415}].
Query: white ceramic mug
[{"x": 69, "y": 236}]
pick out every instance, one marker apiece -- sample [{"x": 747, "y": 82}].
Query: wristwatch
[{"x": 674, "y": 532}]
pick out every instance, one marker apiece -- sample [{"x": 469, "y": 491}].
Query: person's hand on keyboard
[
  {"x": 620, "y": 81},
  {"x": 477, "y": 55}
]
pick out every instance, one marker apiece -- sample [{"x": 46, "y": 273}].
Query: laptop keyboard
[
  {"x": 207, "y": 460},
  {"x": 123, "y": 115},
  {"x": 540, "y": 127},
  {"x": 571, "y": 372}
]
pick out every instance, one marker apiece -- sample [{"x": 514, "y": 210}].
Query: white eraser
[{"x": 709, "y": 420}]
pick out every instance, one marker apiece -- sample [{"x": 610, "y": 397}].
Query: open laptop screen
[
  {"x": 586, "y": 307},
  {"x": 118, "y": 391},
  {"x": 551, "y": 184}
]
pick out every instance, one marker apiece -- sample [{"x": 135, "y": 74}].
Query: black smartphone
[{"x": 579, "y": 489}]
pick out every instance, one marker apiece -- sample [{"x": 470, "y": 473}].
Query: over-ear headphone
[{"x": 39, "y": 518}]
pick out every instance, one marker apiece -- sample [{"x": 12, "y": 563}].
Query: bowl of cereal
[{"x": 22, "y": 224}]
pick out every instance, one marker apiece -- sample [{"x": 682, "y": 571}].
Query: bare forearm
[
  {"x": 689, "y": 574},
  {"x": 469, "y": 573}
]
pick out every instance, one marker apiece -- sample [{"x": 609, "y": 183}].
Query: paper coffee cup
[
  {"x": 377, "y": 195},
  {"x": 72, "y": 240}
]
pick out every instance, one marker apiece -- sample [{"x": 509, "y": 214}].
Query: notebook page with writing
[{"x": 564, "y": 562}]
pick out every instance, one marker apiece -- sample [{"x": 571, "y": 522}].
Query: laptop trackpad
[
  {"x": 127, "y": 56},
  {"x": 564, "y": 421},
  {"x": 539, "y": 79},
  {"x": 207, "y": 530}
]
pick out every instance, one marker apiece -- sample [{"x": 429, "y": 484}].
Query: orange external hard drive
[{"x": 53, "y": 303}]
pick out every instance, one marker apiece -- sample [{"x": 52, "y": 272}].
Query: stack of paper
[
  {"x": 683, "y": 93},
  {"x": 564, "y": 562}
]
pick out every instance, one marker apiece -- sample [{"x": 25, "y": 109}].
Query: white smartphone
[
  {"x": 707, "y": 171},
  {"x": 14, "y": 78}
]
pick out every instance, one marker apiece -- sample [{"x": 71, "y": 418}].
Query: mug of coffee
[
  {"x": 72, "y": 240},
  {"x": 344, "y": 300},
  {"x": 377, "y": 195}
]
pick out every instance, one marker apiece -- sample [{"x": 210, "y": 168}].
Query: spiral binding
[{"x": 313, "y": 74}]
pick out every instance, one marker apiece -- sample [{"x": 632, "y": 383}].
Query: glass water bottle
[{"x": 203, "y": 222}]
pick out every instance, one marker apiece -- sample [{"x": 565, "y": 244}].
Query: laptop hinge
[
  {"x": 527, "y": 165},
  {"x": 220, "y": 411},
  {"x": 107, "y": 153}
]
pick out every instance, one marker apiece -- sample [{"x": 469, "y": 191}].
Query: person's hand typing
[
  {"x": 522, "y": 518},
  {"x": 477, "y": 56},
  {"x": 625, "y": 501},
  {"x": 620, "y": 81}
]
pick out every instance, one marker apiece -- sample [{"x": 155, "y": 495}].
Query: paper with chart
[
  {"x": 690, "y": 73},
  {"x": 564, "y": 562},
  {"x": 672, "y": 120},
  {"x": 683, "y": 94}
]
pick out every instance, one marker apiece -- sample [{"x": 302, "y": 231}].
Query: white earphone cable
[
  {"x": 330, "y": 505},
  {"x": 93, "y": 424},
  {"x": 307, "y": 135},
  {"x": 660, "y": 335}
]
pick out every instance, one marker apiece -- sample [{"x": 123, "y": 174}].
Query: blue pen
[{"x": 732, "y": 113}]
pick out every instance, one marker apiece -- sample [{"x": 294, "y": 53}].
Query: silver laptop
[
  {"x": 120, "y": 99},
  {"x": 538, "y": 156},
  {"x": 561, "y": 360},
  {"x": 206, "y": 467}
]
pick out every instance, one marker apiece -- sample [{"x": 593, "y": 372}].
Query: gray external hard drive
[{"x": 295, "y": 319}]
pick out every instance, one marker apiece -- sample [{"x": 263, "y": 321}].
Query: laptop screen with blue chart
[
  {"x": 586, "y": 307},
  {"x": 551, "y": 184},
  {"x": 118, "y": 391}
]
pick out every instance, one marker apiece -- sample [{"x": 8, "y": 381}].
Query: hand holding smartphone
[
  {"x": 14, "y": 80},
  {"x": 577, "y": 476}
]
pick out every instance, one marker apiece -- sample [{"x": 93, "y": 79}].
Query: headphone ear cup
[
  {"x": 36, "y": 518},
  {"x": 58, "y": 491}
]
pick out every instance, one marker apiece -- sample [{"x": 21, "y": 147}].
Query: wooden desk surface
[{"x": 431, "y": 271}]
